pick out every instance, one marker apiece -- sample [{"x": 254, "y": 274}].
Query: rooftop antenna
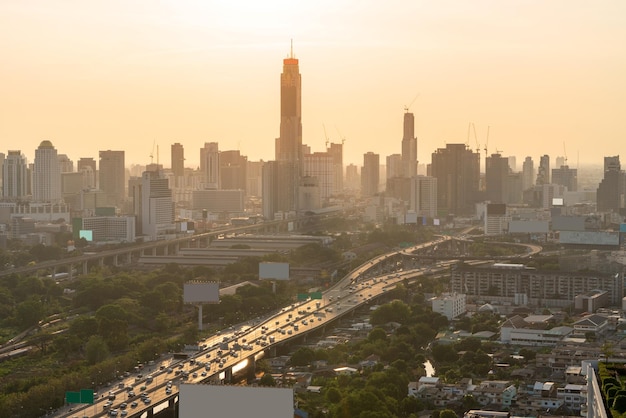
[
  {"x": 291, "y": 53},
  {"x": 152, "y": 152}
]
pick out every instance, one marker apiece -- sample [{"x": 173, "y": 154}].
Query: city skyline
[{"x": 546, "y": 78}]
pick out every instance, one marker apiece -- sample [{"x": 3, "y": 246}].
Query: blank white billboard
[
  {"x": 589, "y": 238},
  {"x": 201, "y": 292},
  {"x": 528, "y": 227},
  {"x": 234, "y": 401},
  {"x": 274, "y": 271}
]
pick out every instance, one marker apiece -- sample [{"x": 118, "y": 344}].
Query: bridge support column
[
  {"x": 166, "y": 250},
  {"x": 101, "y": 262},
  {"x": 70, "y": 271},
  {"x": 115, "y": 261},
  {"x": 85, "y": 266}
]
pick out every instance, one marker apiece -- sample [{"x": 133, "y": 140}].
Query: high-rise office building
[
  {"x": 157, "y": 207},
  {"x": 543, "y": 173},
  {"x": 566, "y": 176},
  {"x": 277, "y": 188},
  {"x": 46, "y": 174},
  {"x": 496, "y": 175},
  {"x": 289, "y": 143},
  {"x": 611, "y": 193},
  {"x": 320, "y": 166},
  {"x": 370, "y": 174},
  {"x": 409, "y": 147},
  {"x": 336, "y": 152},
  {"x": 395, "y": 166},
  {"x": 88, "y": 166},
  {"x": 210, "y": 165},
  {"x": 423, "y": 199},
  {"x": 457, "y": 170},
  {"x": 528, "y": 173},
  {"x": 178, "y": 160},
  {"x": 233, "y": 169},
  {"x": 353, "y": 180},
  {"x": 112, "y": 176},
  {"x": 15, "y": 176}
]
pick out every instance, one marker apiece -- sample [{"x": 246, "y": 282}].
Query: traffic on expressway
[{"x": 153, "y": 386}]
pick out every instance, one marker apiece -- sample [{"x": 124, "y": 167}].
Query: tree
[
  {"x": 96, "y": 349},
  {"x": 303, "y": 356},
  {"x": 29, "y": 312},
  {"x": 447, "y": 413},
  {"x": 267, "y": 380},
  {"x": 333, "y": 395},
  {"x": 377, "y": 334}
]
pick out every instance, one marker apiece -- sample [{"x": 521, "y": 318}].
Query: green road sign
[
  {"x": 72, "y": 397},
  {"x": 303, "y": 296},
  {"x": 84, "y": 396},
  {"x": 316, "y": 295}
]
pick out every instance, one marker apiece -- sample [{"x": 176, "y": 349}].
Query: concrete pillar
[
  {"x": 166, "y": 250},
  {"x": 70, "y": 271},
  {"x": 85, "y": 267},
  {"x": 115, "y": 260},
  {"x": 101, "y": 262}
]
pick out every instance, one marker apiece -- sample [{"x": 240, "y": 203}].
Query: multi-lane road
[{"x": 155, "y": 388}]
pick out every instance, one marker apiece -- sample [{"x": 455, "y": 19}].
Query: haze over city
[{"x": 547, "y": 77}]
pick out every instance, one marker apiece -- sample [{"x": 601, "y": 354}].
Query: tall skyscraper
[
  {"x": 46, "y": 174},
  {"x": 15, "y": 176},
  {"x": 457, "y": 170},
  {"x": 528, "y": 173},
  {"x": 543, "y": 173},
  {"x": 157, "y": 208},
  {"x": 496, "y": 175},
  {"x": 566, "y": 176},
  {"x": 370, "y": 174},
  {"x": 233, "y": 170},
  {"x": 611, "y": 193},
  {"x": 409, "y": 147},
  {"x": 210, "y": 165},
  {"x": 320, "y": 166},
  {"x": 289, "y": 143},
  {"x": 423, "y": 198},
  {"x": 112, "y": 176},
  {"x": 396, "y": 166},
  {"x": 178, "y": 160},
  {"x": 282, "y": 178},
  {"x": 336, "y": 152}
]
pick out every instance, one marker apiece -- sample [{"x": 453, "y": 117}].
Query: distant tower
[
  {"x": 65, "y": 164},
  {"x": 157, "y": 208},
  {"x": 88, "y": 166},
  {"x": 336, "y": 152},
  {"x": 566, "y": 176},
  {"x": 46, "y": 174},
  {"x": 210, "y": 165},
  {"x": 409, "y": 147},
  {"x": 528, "y": 173},
  {"x": 112, "y": 176},
  {"x": 496, "y": 174},
  {"x": 395, "y": 166},
  {"x": 543, "y": 174},
  {"x": 457, "y": 170},
  {"x": 178, "y": 160},
  {"x": 611, "y": 193},
  {"x": 370, "y": 174},
  {"x": 15, "y": 176}
]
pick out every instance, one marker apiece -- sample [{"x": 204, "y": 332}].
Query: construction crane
[
  {"x": 476, "y": 139},
  {"x": 343, "y": 138},
  {"x": 152, "y": 152},
  {"x": 325, "y": 135},
  {"x": 564, "y": 154},
  {"x": 487, "y": 141},
  {"x": 406, "y": 108}
]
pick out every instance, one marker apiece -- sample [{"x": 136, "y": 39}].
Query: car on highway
[{"x": 133, "y": 404}]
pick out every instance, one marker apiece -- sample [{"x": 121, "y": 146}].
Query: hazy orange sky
[{"x": 95, "y": 75}]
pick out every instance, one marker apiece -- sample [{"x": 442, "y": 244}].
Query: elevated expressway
[{"x": 250, "y": 342}]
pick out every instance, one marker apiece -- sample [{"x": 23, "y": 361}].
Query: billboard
[
  {"x": 201, "y": 292},
  {"x": 86, "y": 233},
  {"x": 274, "y": 271},
  {"x": 568, "y": 223},
  {"x": 557, "y": 201},
  {"x": 234, "y": 401},
  {"x": 495, "y": 209},
  {"x": 528, "y": 227},
  {"x": 589, "y": 238}
]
